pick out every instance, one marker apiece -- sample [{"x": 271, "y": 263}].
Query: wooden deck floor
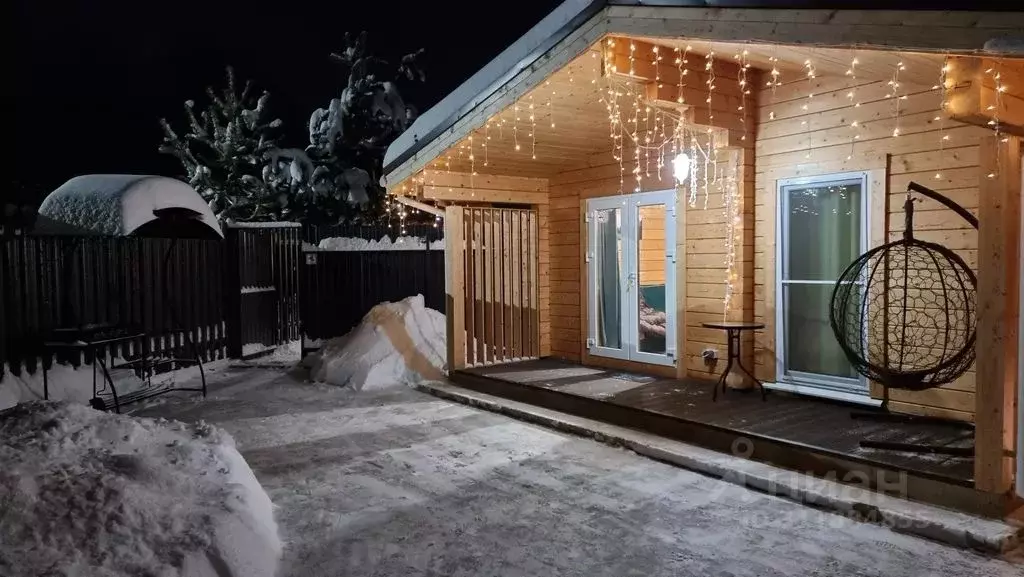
[{"x": 818, "y": 425}]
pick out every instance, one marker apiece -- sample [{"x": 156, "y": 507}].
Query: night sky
[{"x": 93, "y": 77}]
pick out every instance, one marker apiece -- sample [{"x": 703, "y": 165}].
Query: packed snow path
[{"x": 401, "y": 483}]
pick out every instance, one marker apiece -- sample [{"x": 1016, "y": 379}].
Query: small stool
[{"x": 732, "y": 331}]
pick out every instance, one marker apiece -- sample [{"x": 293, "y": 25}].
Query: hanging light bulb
[{"x": 681, "y": 167}]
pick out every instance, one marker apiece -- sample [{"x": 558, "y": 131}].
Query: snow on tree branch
[{"x": 223, "y": 153}]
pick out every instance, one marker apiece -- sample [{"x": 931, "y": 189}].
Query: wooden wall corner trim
[
  {"x": 455, "y": 288},
  {"x": 998, "y": 288}
]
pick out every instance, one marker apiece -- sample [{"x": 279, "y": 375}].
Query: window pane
[
  {"x": 651, "y": 316},
  {"x": 811, "y": 346},
  {"x": 608, "y": 257},
  {"x": 824, "y": 230}
]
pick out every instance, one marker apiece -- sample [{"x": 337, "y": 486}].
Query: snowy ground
[{"x": 397, "y": 482}]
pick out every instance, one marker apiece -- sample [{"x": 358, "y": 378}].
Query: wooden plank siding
[{"x": 799, "y": 135}]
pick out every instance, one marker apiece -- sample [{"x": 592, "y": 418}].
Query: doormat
[{"x": 633, "y": 378}]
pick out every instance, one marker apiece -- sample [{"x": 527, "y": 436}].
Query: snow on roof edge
[{"x": 561, "y": 22}]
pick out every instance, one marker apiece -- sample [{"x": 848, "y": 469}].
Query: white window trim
[{"x": 853, "y": 390}]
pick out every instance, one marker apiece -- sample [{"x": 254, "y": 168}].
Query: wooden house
[{"x": 625, "y": 173}]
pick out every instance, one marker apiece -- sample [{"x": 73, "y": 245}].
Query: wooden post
[
  {"x": 232, "y": 291},
  {"x": 455, "y": 287},
  {"x": 998, "y": 285}
]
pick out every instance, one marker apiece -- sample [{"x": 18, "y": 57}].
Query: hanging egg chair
[{"x": 905, "y": 315}]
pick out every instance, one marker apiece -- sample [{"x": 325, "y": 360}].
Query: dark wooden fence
[
  {"x": 162, "y": 287},
  {"x": 263, "y": 286},
  {"x": 338, "y": 288},
  {"x": 227, "y": 295}
]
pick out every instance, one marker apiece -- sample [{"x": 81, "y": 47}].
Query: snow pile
[
  {"x": 65, "y": 383},
  {"x": 285, "y": 353},
  {"x": 84, "y": 492},
  {"x": 401, "y": 243},
  {"x": 396, "y": 343},
  {"x": 69, "y": 383}
]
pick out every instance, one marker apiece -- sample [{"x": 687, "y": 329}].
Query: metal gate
[{"x": 262, "y": 292}]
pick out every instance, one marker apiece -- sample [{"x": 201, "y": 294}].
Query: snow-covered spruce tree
[
  {"x": 225, "y": 150},
  {"x": 349, "y": 137}
]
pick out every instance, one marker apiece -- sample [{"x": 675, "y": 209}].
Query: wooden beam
[
  {"x": 489, "y": 181},
  {"x": 972, "y": 96},
  {"x": 923, "y": 31},
  {"x": 998, "y": 286},
  {"x": 455, "y": 287},
  {"x": 483, "y": 195},
  {"x": 420, "y": 205}
]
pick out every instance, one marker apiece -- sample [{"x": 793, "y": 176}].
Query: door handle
[{"x": 630, "y": 280}]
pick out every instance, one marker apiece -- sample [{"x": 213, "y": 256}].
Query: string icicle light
[
  {"x": 996, "y": 107},
  {"x": 472, "y": 168},
  {"x": 533, "y": 131},
  {"x": 776, "y": 79},
  {"x": 680, "y": 71},
  {"x": 487, "y": 139},
  {"x": 693, "y": 170},
  {"x": 657, "y": 66},
  {"x": 731, "y": 192},
  {"x": 632, "y": 58},
  {"x": 636, "y": 143},
  {"x": 647, "y": 141},
  {"x": 851, "y": 96},
  {"x": 651, "y": 139},
  {"x": 896, "y": 96},
  {"x": 709, "y": 67},
  {"x": 811, "y": 73},
  {"x": 515, "y": 127},
  {"x": 941, "y": 116},
  {"x": 744, "y": 91},
  {"x": 551, "y": 98}
]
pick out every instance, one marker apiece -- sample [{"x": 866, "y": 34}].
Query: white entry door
[{"x": 631, "y": 282}]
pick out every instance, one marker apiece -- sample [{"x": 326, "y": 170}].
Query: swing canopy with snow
[{"x": 127, "y": 205}]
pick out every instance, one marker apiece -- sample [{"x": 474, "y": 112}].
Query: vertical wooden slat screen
[
  {"x": 478, "y": 292},
  {"x": 495, "y": 331},
  {"x": 455, "y": 287},
  {"x": 516, "y": 304},
  {"x": 470, "y": 309},
  {"x": 534, "y": 303},
  {"x": 496, "y": 264}
]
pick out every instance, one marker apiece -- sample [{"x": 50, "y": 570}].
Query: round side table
[{"x": 733, "y": 331}]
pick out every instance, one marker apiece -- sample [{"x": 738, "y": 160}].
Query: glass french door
[
  {"x": 822, "y": 228},
  {"x": 631, "y": 277}
]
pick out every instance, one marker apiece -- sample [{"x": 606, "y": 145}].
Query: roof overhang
[
  {"x": 514, "y": 60},
  {"x": 576, "y": 24}
]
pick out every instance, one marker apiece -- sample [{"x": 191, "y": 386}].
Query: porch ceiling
[{"x": 570, "y": 127}]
